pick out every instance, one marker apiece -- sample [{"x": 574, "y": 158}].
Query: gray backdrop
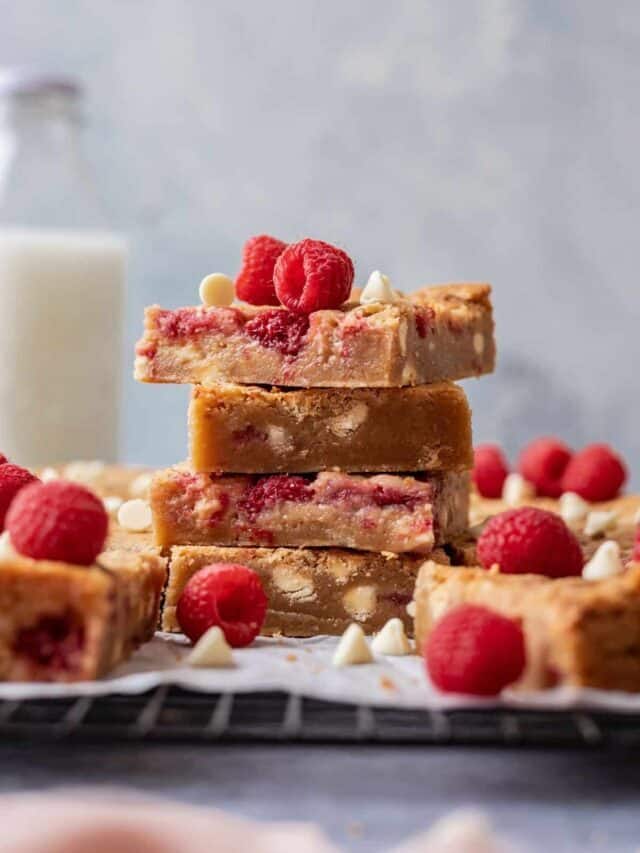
[{"x": 494, "y": 139}]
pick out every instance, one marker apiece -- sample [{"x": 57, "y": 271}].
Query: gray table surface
[{"x": 367, "y": 798}]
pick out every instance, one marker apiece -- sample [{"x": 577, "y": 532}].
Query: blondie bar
[
  {"x": 577, "y": 632},
  {"x": 382, "y": 512},
  {"x": 65, "y": 623},
  {"x": 440, "y": 333},
  {"x": 248, "y": 429},
  {"x": 310, "y": 591}
]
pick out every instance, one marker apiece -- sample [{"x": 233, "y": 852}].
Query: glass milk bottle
[{"x": 61, "y": 283}]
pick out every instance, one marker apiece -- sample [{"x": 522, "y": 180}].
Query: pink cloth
[
  {"x": 71, "y": 821},
  {"x": 111, "y": 821}
]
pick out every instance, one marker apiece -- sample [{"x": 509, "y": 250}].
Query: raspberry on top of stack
[
  {"x": 329, "y": 449},
  {"x": 315, "y": 337}
]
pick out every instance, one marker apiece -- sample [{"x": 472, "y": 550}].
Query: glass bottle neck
[
  {"x": 50, "y": 119},
  {"x": 43, "y": 176}
]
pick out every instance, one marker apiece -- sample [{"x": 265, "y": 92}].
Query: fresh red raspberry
[
  {"x": 3, "y": 459},
  {"x": 279, "y": 329},
  {"x": 595, "y": 473},
  {"x": 269, "y": 491},
  {"x": 12, "y": 479},
  {"x": 543, "y": 462},
  {"x": 58, "y": 521},
  {"x": 474, "y": 650},
  {"x": 254, "y": 283},
  {"x": 490, "y": 470},
  {"x": 528, "y": 540},
  {"x": 224, "y": 594},
  {"x": 311, "y": 275}
]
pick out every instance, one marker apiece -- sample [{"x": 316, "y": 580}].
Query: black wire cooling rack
[{"x": 172, "y": 714}]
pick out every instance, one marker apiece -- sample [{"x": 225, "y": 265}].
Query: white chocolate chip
[
  {"x": 211, "y": 650},
  {"x": 391, "y": 640},
  {"x": 217, "y": 289},
  {"x": 48, "y": 474},
  {"x": 377, "y": 289},
  {"x": 572, "y": 507},
  {"x": 141, "y": 484},
  {"x": 135, "y": 516},
  {"x": 605, "y": 563},
  {"x": 411, "y": 609},
  {"x": 339, "y": 570},
  {"x": 7, "y": 551},
  {"x": 516, "y": 489},
  {"x": 294, "y": 584},
  {"x": 84, "y": 472},
  {"x": 348, "y": 422},
  {"x": 360, "y": 601},
  {"x": 599, "y": 521},
  {"x": 478, "y": 343},
  {"x": 352, "y": 648},
  {"x": 279, "y": 438}
]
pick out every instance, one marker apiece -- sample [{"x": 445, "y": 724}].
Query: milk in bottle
[{"x": 62, "y": 275}]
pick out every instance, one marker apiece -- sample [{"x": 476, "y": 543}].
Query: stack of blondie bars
[{"x": 329, "y": 451}]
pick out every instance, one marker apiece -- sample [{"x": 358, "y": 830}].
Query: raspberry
[
  {"x": 530, "y": 540},
  {"x": 58, "y": 520},
  {"x": 54, "y": 641},
  {"x": 474, "y": 650},
  {"x": 3, "y": 459},
  {"x": 595, "y": 473},
  {"x": 224, "y": 594},
  {"x": 12, "y": 479},
  {"x": 387, "y": 496},
  {"x": 543, "y": 462},
  {"x": 187, "y": 323},
  {"x": 254, "y": 283},
  {"x": 424, "y": 319},
  {"x": 311, "y": 275},
  {"x": 490, "y": 470},
  {"x": 269, "y": 491},
  {"x": 280, "y": 330}
]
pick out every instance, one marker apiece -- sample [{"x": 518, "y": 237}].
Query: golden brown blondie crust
[
  {"x": 310, "y": 591},
  {"x": 579, "y": 633},
  {"x": 444, "y": 334},
  {"x": 66, "y": 623},
  {"x": 248, "y": 429}
]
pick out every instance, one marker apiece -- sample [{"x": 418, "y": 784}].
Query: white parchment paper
[{"x": 304, "y": 667}]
